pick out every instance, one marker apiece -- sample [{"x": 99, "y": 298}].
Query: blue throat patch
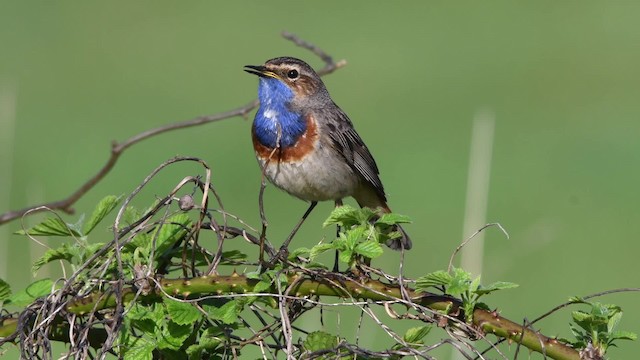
[{"x": 274, "y": 96}]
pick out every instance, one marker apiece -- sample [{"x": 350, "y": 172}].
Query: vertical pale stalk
[{"x": 7, "y": 125}]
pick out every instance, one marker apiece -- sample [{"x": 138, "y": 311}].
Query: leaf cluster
[
  {"x": 361, "y": 235},
  {"x": 459, "y": 284},
  {"x": 597, "y": 327}
]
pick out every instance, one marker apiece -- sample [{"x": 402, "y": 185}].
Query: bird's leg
[
  {"x": 285, "y": 245},
  {"x": 336, "y": 266},
  {"x": 263, "y": 218}
]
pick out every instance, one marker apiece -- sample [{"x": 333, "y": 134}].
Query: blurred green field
[{"x": 561, "y": 78}]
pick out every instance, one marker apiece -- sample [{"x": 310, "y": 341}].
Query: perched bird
[{"x": 307, "y": 145}]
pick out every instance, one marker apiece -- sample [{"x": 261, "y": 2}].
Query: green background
[{"x": 561, "y": 77}]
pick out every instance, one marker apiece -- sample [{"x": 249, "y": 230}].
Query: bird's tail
[{"x": 402, "y": 242}]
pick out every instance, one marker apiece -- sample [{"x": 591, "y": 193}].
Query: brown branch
[{"x": 117, "y": 149}]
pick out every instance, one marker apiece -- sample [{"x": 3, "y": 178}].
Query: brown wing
[{"x": 349, "y": 144}]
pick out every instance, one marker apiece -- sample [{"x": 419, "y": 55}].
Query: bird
[{"x": 307, "y": 146}]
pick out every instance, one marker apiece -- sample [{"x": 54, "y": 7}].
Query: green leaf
[
  {"x": 354, "y": 236},
  {"x": 346, "y": 256},
  {"x": 320, "y": 340},
  {"x": 364, "y": 215},
  {"x": 232, "y": 256},
  {"x": 459, "y": 282},
  {"x": 146, "y": 326},
  {"x": 339, "y": 243},
  {"x": 613, "y": 321},
  {"x": 392, "y": 219},
  {"x": 342, "y": 215},
  {"x": 297, "y": 252},
  {"x": 262, "y": 286},
  {"x": 182, "y": 313},
  {"x": 153, "y": 312},
  {"x": 141, "y": 349},
  {"x": 475, "y": 284},
  {"x": 170, "y": 232},
  {"x": 27, "y": 296},
  {"x": 319, "y": 249},
  {"x": 208, "y": 342},
  {"x": 370, "y": 249},
  {"x": 580, "y": 316},
  {"x": 146, "y": 318},
  {"x": 104, "y": 207},
  {"x": 499, "y": 285},
  {"x": 436, "y": 278},
  {"x": 174, "y": 335},
  {"x": 316, "y": 265},
  {"x": 130, "y": 215},
  {"x": 5, "y": 290},
  {"x": 623, "y": 335},
  {"x": 414, "y": 335},
  {"x": 227, "y": 313},
  {"x": 52, "y": 226},
  {"x": 65, "y": 252},
  {"x": 576, "y": 300}
]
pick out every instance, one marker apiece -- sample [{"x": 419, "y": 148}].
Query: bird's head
[{"x": 288, "y": 79}]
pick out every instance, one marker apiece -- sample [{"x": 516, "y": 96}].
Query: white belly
[{"x": 317, "y": 177}]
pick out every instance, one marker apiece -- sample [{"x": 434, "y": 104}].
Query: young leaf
[
  {"x": 154, "y": 312},
  {"x": 5, "y": 290},
  {"x": 414, "y": 335},
  {"x": 232, "y": 256},
  {"x": 354, "y": 235},
  {"x": 346, "y": 256},
  {"x": 436, "y": 278},
  {"x": 172, "y": 230},
  {"x": 459, "y": 282},
  {"x": 623, "y": 335},
  {"x": 499, "y": 285},
  {"x": 613, "y": 321},
  {"x": 320, "y": 340},
  {"x": 182, "y": 313},
  {"x": 64, "y": 252},
  {"x": 227, "y": 313},
  {"x": 391, "y": 219},
  {"x": 475, "y": 285},
  {"x": 104, "y": 207},
  {"x": 297, "y": 252},
  {"x": 50, "y": 227},
  {"x": 580, "y": 316},
  {"x": 142, "y": 349},
  {"x": 370, "y": 249},
  {"x": 35, "y": 290},
  {"x": 208, "y": 342},
  {"x": 342, "y": 215},
  {"x": 131, "y": 215},
  {"x": 319, "y": 249},
  {"x": 174, "y": 335},
  {"x": 262, "y": 286}
]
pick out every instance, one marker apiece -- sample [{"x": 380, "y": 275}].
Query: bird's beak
[{"x": 260, "y": 71}]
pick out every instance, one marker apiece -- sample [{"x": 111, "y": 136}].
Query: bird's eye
[{"x": 292, "y": 74}]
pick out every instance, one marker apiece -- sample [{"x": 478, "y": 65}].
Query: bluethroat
[{"x": 307, "y": 146}]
